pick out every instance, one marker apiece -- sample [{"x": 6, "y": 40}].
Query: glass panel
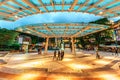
[
  {"x": 13, "y": 4},
  {"x": 58, "y": 1},
  {"x": 33, "y": 10},
  {"x": 11, "y": 19},
  {"x": 105, "y": 2},
  {"x": 76, "y": 7},
  {"x": 21, "y": 13},
  {"x": 114, "y": 5},
  {"x": 92, "y": 9},
  {"x": 58, "y": 7},
  {"x": 42, "y": 9},
  {"x": 21, "y": 2},
  {"x": 27, "y": 11},
  {"x": 66, "y": 7},
  {"x": 4, "y": 11},
  {"x": 84, "y": 8},
  {"x": 68, "y": 1},
  {"x": 50, "y": 8},
  {"x": 8, "y": 8},
  {"x": 35, "y": 2},
  {"x": 46, "y": 1}
]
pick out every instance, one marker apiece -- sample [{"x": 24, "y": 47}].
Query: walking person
[
  {"x": 59, "y": 55},
  {"x": 38, "y": 50},
  {"x": 116, "y": 51},
  {"x": 62, "y": 55},
  {"x": 54, "y": 57},
  {"x": 96, "y": 50}
]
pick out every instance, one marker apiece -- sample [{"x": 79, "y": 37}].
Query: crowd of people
[{"x": 58, "y": 55}]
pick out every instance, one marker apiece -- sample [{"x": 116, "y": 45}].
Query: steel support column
[
  {"x": 73, "y": 47},
  {"x": 46, "y": 46}
]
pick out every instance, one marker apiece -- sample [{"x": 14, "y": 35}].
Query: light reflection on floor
[
  {"x": 34, "y": 63},
  {"x": 104, "y": 62},
  {"x": 79, "y": 66},
  {"x": 67, "y": 59},
  {"x": 62, "y": 78},
  {"x": 109, "y": 76},
  {"x": 28, "y": 76},
  {"x": 70, "y": 63}
]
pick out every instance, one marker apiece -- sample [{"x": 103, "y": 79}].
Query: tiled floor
[{"x": 83, "y": 66}]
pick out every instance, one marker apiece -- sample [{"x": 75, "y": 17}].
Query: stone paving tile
[{"x": 53, "y": 68}]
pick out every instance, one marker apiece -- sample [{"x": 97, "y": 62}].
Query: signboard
[
  {"x": 20, "y": 40},
  {"x": 25, "y": 42},
  {"x": 118, "y": 35}
]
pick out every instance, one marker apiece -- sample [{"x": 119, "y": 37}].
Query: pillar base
[{"x": 45, "y": 53}]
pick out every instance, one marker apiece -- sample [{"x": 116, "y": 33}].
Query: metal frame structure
[
  {"x": 62, "y": 30},
  {"x": 14, "y": 9},
  {"x": 21, "y": 8}
]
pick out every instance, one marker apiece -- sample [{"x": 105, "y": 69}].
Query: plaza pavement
[{"x": 82, "y": 66}]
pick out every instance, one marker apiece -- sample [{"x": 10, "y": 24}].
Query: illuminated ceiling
[{"x": 13, "y": 10}]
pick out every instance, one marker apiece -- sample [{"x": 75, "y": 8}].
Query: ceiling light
[
  {"x": 27, "y": 31},
  {"x": 20, "y": 29},
  {"x": 16, "y": 16},
  {"x": 100, "y": 12},
  {"x": 85, "y": 13},
  {"x": 25, "y": 14}
]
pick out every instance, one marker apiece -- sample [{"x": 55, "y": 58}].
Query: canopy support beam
[
  {"x": 72, "y": 6},
  {"x": 43, "y": 5},
  {"x": 46, "y": 45},
  {"x": 73, "y": 47},
  {"x": 86, "y": 28}
]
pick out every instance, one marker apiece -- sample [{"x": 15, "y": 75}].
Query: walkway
[{"x": 83, "y": 66}]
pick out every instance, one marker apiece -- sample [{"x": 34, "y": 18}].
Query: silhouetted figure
[
  {"x": 97, "y": 55},
  {"x": 59, "y": 55},
  {"x": 39, "y": 50},
  {"x": 54, "y": 57},
  {"x": 116, "y": 51},
  {"x": 62, "y": 55}
]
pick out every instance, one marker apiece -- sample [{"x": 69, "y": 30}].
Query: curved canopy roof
[
  {"x": 12, "y": 10},
  {"x": 62, "y": 30}
]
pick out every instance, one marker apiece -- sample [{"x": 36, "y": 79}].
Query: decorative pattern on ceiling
[{"x": 15, "y": 9}]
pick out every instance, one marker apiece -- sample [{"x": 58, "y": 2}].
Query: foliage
[
  {"x": 7, "y": 37},
  {"x": 103, "y": 21},
  {"x": 97, "y": 38},
  {"x": 82, "y": 42},
  {"x": 34, "y": 39},
  {"x": 107, "y": 36},
  {"x": 16, "y": 46}
]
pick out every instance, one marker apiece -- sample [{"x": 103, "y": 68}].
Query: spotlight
[
  {"x": 16, "y": 16},
  {"x": 100, "y": 12}
]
